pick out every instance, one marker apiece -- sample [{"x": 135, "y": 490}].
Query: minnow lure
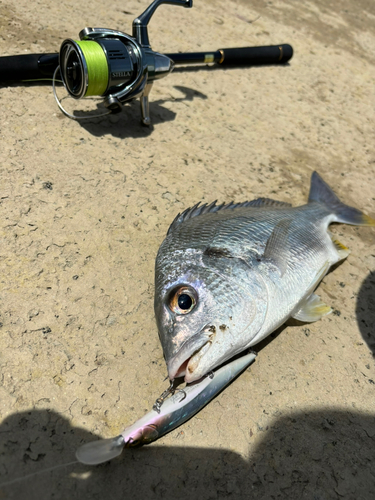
[{"x": 173, "y": 412}]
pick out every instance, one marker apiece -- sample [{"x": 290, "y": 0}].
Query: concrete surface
[{"x": 85, "y": 206}]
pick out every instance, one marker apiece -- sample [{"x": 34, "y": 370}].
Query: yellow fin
[
  {"x": 342, "y": 250},
  {"x": 367, "y": 220},
  {"x": 312, "y": 309}
]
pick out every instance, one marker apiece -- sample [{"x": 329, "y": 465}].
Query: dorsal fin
[
  {"x": 268, "y": 202},
  {"x": 198, "y": 209}
]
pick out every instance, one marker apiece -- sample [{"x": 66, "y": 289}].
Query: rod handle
[
  {"x": 27, "y": 67},
  {"x": 250, "y": 56}
]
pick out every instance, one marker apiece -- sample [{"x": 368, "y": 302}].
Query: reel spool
[
  {"x": 115, "y": 65},
  {"x": 92, "y": 67}
]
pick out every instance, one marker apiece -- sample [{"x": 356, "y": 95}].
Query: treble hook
[
  {"x": 171, "y": 391},
  {"x": 163, "y": 397}
]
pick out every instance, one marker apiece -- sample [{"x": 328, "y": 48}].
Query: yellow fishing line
[{"x": 97, "y": 67}]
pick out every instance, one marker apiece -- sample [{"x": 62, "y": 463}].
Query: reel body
[{"x": 115, "y": 65}]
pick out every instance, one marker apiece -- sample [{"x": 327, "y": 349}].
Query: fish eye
[{"x": 182, "y": 300}]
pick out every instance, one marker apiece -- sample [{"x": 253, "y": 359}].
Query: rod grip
[
  {"x": 27, "y": 67},
  {"x": 250, "y": 56}
]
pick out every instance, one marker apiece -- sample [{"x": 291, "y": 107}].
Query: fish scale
[
  {"x": 242, "y": 270},
  {"x": 241, "y": 224}
]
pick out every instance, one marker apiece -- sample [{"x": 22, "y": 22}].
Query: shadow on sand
[
  {"x": 365, "y": 311},
  {"x": 127, "y": 123},
  {"x": 323, "y": 454}
]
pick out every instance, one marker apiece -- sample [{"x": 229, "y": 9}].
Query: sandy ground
[{"x": 85, "y": 206}]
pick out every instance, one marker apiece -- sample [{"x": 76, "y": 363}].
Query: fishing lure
[{"x": 168, "y": 415}]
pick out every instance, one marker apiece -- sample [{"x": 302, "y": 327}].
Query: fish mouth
[{"x": 187, "y": 358}]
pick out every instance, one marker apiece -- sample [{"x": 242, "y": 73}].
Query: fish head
[{"x": 207, "y": 310}]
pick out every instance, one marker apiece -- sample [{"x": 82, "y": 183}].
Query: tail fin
[{"x": 322, "y": 193}]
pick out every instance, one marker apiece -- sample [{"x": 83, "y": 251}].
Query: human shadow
[
  {"x": 320, "y": 454},
  {"x": 316, "y": 454},
  {"x": 365, "y": 311}
]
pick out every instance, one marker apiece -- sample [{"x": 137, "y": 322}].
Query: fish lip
[{"x": 188, "y": 349}]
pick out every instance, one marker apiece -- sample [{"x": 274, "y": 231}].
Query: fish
[
  {"x": 173, "y": 412},
  {"x": 227, "y": 276}
]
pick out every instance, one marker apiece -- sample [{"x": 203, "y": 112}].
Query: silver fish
[
  {"x": 226, "y": 276},
  {"x": 174, "y": 412}
]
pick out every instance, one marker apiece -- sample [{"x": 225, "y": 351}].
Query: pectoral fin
[
  {"x": 312, "y": 309},
  {"x": 277, "y": 247}
]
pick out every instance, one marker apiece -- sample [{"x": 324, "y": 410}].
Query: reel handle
[{"x": 141, "y": 22}]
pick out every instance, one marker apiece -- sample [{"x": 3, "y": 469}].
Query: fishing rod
[{"x": 120, "y": 67}]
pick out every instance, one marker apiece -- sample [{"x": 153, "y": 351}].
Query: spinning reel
[
  {"x": 120, "y": 67},
  {"x": 115, "y": 65}
]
